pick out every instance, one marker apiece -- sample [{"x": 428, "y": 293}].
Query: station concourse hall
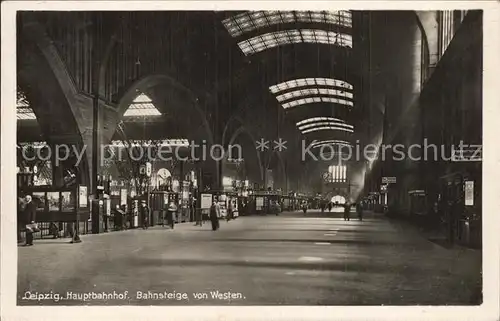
[{"x": 249, "y": 157}]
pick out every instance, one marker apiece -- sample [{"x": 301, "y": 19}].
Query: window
[
  {"x": 249, "y": 21},
  {"x": 310, "y": 100},
  {"x": 23, "y": 109},
  {"x": 327, "y": 128},
  {"x": 142, "y": 106},
  {"x": 279, "y": 38},
  {"x": 337, "y": 173},
  {"x": 304, "y": 82}
]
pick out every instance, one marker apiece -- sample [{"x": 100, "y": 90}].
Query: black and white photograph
[{"x": 248, "y": 156}]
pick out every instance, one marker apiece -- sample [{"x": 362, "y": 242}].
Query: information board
[
  {"x": 206, "y": 201},
  {"x": 469, "y": 193}
]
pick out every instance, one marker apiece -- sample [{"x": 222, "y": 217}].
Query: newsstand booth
[
  {"x": 63, "y": 207},
  {"x": 232, "y": 197},
  {"x": 223, "y": 198},
  {"x": 260, "y": 201},
  {"x": 158, "y": 202}
]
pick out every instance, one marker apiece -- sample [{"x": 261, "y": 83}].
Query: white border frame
[{"x": 489, "y": 310}]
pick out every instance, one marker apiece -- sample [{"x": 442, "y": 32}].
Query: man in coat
[{"x": 28, "y": 217}]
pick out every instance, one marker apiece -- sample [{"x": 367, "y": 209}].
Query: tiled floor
[{"x": 288, "y": 259}]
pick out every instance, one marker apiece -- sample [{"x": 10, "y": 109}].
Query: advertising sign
[
  {"x": 259, "y": 203},
  {"x": 389, "y": 180},
  {"x": 206, "y": 201},
  {"x": 123, "y": 196},
  {"x": 270, "y": 180},
  {"x": 82, "y": 197},
  {"x": 469, "y": 193}
]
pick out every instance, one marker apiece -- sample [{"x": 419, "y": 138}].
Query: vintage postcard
[{"x": 250, "y": 160}]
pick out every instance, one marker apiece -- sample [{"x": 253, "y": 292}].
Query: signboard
[
  {"x": 270, "y": 180},
  {"x": 206, "y": 201},
  {"x": 469, "y": 193},
  {"x": 259, "y": 203},
  {"x": 389, "y": 180},
  {"x": 82, "y": 197},
  {"x": 123, "y": 196}
]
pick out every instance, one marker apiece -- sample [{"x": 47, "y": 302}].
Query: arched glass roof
[
  {"x": 142, "y": 106},
  {"x": 305, "y": 82},
  {"x": 253, "y": 20},
  {"x": 314, "y": 91},
  {"x": 284, "y": 37}
]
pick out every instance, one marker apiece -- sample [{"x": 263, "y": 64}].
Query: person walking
[
  {"x": 172, "y": 208},
  {"x": 28, "y": 219},
  {"x": 229, "y": 215},
  {"x": 347, "y": 212},
  {"x": 145, "y": 215},
  {"x": 359, "y": 210}
]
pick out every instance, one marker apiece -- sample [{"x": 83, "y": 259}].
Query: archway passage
[{"x": 338, "y": 199}]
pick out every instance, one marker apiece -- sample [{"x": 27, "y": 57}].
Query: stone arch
[
  {"x": 44, "y": 78},
  {"x": 147, "y": 83},
  {"x": 150, "y": 81}
]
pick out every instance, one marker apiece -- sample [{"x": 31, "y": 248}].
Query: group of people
[
  {"x": 215, "y": 213},
  {"x": 347, "y": 211}
]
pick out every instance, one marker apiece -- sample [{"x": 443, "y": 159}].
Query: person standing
[
  {"x": 329, "y": 206},
  {"x": 172, "y": 208},
  {"x": 214, "y": 217},
  {"x": 20, "y": 213},
  {"x": 229, "y": 211},
  {"x": 347, "y": 212},
  {"x": 359, "y": 210},
  {"x": 28, "y": 219},
  {"x": 145, "y": 215}
]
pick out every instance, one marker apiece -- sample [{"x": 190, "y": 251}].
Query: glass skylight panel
[
  {"x": 270, "y": 40},
  {"x": 309, "y": 100},
  {"x": 249, "y": 21},
  {"x": 337, "y": 101},
  {"x": 23, "y": 109},
  {"x": 25, "y": 113},
  {"x": 317, "y": 119},
  {"x": 330, "y": 142},
  {"x": 309, "y": 82},
  {"x": 326, "y": 123},
  {"x": 142, "y": 98},
  {"x": 141, "y": 106},
  {"x": 313, "y": 91},
  {"x": 327, "y": 128}
]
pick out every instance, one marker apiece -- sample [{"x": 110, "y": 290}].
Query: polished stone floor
[{"x": 294, "y": 259}]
